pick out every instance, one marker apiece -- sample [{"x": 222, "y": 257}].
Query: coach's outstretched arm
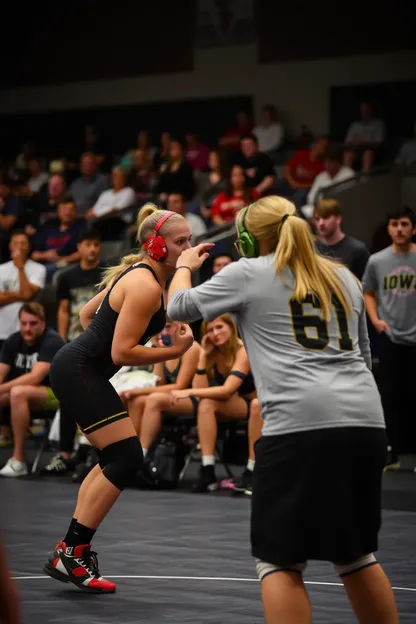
[{"x": 225, "y": 292}]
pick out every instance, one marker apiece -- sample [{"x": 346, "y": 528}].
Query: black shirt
[
  {"x": 22, "y": 357},
  {"x": 78, "y": 286},
  {"x": 256, "y": 168},
  {"x": 349, "y": 251},
  {"x": 179, "y": 181},
  {"x": 94, "y": 344}
]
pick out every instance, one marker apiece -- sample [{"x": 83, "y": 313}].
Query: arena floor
[{"x": 179, "y": 557}]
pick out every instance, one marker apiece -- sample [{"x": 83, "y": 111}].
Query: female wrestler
[
  {"x": 319, "y": 463},
  {"x": 118, "y": 321}
]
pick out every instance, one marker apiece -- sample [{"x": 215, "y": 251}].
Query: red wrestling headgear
[{"x": 155, "y": 245}]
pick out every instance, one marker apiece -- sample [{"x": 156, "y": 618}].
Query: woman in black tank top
[
  {"x": 146, "y": 405},
  {"x": 118, "y": 323},
  {"x": 224, "y": 386}
]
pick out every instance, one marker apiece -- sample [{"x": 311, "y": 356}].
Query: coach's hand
[
  {"x": 182, "y": 338},
  {"x": 194, "y": 257}
]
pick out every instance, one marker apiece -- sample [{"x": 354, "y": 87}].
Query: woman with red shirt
[{"x": 237, "y": 196}]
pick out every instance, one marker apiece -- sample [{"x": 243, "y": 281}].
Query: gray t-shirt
[
  {"x": 308, "y": 374},
  {"x": 392, "y": 278}
]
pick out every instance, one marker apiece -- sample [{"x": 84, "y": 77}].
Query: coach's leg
[
  {"x": 369, "y": 592},
  {"x": 284, "y": 596}
]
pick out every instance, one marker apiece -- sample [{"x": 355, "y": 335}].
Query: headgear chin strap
[{"x": 155, "y": 245}]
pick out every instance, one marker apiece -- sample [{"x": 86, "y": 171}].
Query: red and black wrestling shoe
[{"x": 78, "y": 565}]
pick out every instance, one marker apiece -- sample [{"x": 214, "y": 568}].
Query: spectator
[
  {"x": 10, "y": 211},
  {"x": 333, "y": 242},
  {"x": 334, "y": 173},
  {"x": 146, "y": 405},
  {"x": 44, "y": 206},
  {"x": 56, "y": 242},
  {"x": 364, "y": 138},
  {"x": 258, "y": 167},
  {"x": 25, "y": 361},
  {"x": 196, "y": 153},
  {"x": 214, "y": 183},
  {"x": 224, "y": 386},
  {"x": 144, "y": 145},
  {"x": 232, "y": 138},
  {"x": 237, "y": 196},
  {"x": 176, "y": 175},
  {"x": 270, "y": 132},
  {"x": 389, "y": 285},
  {"x": 38, "y": 176},
  {"x": 301, "y": 170},
  {"x": 220, "y": 261},
  {"x": 110, "y": 210},
  {"x": 162, "y": 156},
  {"x": 406, "y": 158},
  {"x": 76, "y": 287},
  {"x": 86, "y": 189},
  {"x": 94, "y": 143},
  {"x": 20, "y": 280},
  {"x": 140, "y": 178},
  {"x": 176, "y": 203}
]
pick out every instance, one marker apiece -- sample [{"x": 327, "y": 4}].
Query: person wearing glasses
[{"x": 302, "y": 321}]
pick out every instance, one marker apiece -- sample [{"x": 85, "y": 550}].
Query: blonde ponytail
[
  {"x": 274, "y": 219},
  {"x": 146, "y": 221}
]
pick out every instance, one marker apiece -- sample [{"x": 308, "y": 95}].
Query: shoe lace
[{"x": 89, "y": 560}]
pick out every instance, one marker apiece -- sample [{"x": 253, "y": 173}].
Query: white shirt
[
  {"x": 35, "y": 184},
  {"x": 112, "y": 200},
  {"x": 269, "y": 138},
  {"x": 323, "y": 180},
  {"x": 9, "y": 281},
  {"x": 196, "y": 224},
  {"x": 368, "y": 131}
]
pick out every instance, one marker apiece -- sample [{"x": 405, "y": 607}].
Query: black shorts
[
  {"x": 317, "y": 495},
  {"x": 84, "y": 392}
]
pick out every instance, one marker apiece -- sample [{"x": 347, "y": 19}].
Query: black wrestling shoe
[
  {"x": 243, "y": 485},
  {"x": 207, "y": 481}
]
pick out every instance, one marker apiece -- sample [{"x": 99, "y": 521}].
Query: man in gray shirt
[
  {"x": 86, "y": 189},
  {"x": 389, "y": 285}
]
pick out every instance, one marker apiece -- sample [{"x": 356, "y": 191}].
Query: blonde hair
[
  {"x": 147, "y": 219},
  {"x": 294, "y": 248},
  {"x": 231, "y": 347}
]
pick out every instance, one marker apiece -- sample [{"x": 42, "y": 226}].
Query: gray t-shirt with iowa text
[
  {"x": 392, "y": 278},
  {"x": 309, "y": 374}
]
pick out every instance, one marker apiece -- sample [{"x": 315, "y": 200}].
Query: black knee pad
[{"x": 121, "y": 460}]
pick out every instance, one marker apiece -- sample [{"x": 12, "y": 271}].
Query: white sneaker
[{"x": 14, "y": 468}]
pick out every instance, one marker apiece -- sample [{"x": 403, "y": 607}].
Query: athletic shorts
[
  {"x": 317, "y": 495},
  {"x": 83, "y": 391}
]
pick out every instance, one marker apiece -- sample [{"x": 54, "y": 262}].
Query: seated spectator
[
  {"x": 38, "y": 176},
  {"x": 334, "y": 243},
  {"x": 176, "y": 203},
  {"x": 95, "y": 143},
  {"x": 110, "y": 210},
  {"x": 162, "y": 156},
  {"x": 196, "y": 153},
  {"x": 11, "y": 208},
  {"x": 364, "y": 138},
  {"x": 237, "y": 196},
  {"x": 334, "y": 173},
  {"x": 25, "y": 361},
  {"x": 270, "y": 132},
  {"x": 224, "y": 386},
  {"x": 176, "y": 175},
  {"x": 231, "y": 140},
  {"x": 86, "y": 189},
  {"x": 76, "y": 287},
  {"x": 55, "y": 245},
  {"x": 45, "y": 204},
  {"x": 20, "y": 280},
  {"x": 140, "y": 177},
  {"x": 220, "y": 261},
  {"x": 213, "y": 182},
  {"x": 244, "y": 483},
  {"x": 19, "y": 169},
  {"x": 144, "y": 145},
  {"x": 258, "y": 167},
  {"x": 406, "y": 158},
  {"x": 301, "y": 170},
  {"x": 146, "y": 405}
]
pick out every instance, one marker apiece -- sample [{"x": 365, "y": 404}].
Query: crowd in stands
[{"x": 54, "y": 217}]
